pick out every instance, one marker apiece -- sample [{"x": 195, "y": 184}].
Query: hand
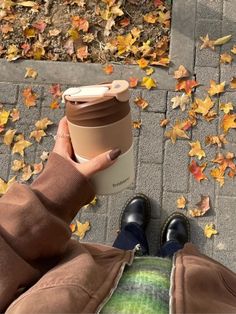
[{"x": 63, "y": 148}]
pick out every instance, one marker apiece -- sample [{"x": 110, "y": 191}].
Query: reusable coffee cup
[{"x": 99, "y": 120}]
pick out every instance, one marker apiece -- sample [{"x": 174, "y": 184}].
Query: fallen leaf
[
  {"x": 37, "y": 167},
  {"x": 216, "y": 88},
  {"x": 54, "y": 104},
  {"x": 226, "y": 107},
  {"x": 43, "y": 123},
  {"x": 108, "y": 69},
  {"x": 29, "y": 97},
  {"x": 203, "y": 106},
  {"x": 207, "y": 43},
  {"x": 196, "y": 150},
  {"x": 150, "y": 18},
  {"x": 216, "y": 139},
  {"x": 181, "y": 72},
  {"x": 181, "y": 202},
  {"x": 31, "y": 73},
  {"x": 8, "y": 136},
  {"x": 15, "y": 114},
  {"x": 226, "y": 58},
  {"x": 141, "y": 102},
  {"x": 201, "y": 207},
  {"x": 233, "y": 83},
  {"x": 197, "y": 170},
  {"x": 80, "y": 23},
  {"x": 13, "y": 53},
  {"x": 222, "y": 40},
  {"x": 55, "y": 90},
  {"x": 233, "y": 50},
  {"x": 72, "y": 227},
  {"x": 27, "y": 173},
  {"x": 137, "y": 124},
  {"x": 37, "y": 135},
  {"x": 4, "y": 115},
  {"x": 164, "y": 122},
  {"x": 228, "y": 122},
  {"x": 164, "y": 61},
  {"x": 82, "y": 53},
  {"x": 44, "y": 156},
  {"x": 38, "y": 50},
  {"x": 218, "y": 175},
  {"x": 4, "y": 186},
  {"x": 181, "y": 101},
  {"x": 187, "y": 86},
  {"x": 149, "y": 71},
  {"x": 176, "y": 132},
  {"x": 82, "y": 228},
  {"x": 20, "y": 146},
  {"x": 133, "y": 82},
  {"x": 40, "y": 25},
  {"x": 69, "y": 46},
  {"x": 29, "y": 4},
  {"x": 148, "y": 82},
  {"x": 124, "y": 43},
  {"x": 210, "y": 230},
  {"x": 54, "y": 32},
  {"x": 225, "y": 161},
  {"x": 124, "y": 22},
  {"x": 143, "y": 63},
  {"x": 211, "y": 115}
]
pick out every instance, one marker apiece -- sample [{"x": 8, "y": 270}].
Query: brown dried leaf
[
  {"x": 201, "y": 207},
  {"x": 181, "y": 72}
]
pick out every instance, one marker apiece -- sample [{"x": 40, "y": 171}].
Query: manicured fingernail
[{"x": 114, "y": 153}]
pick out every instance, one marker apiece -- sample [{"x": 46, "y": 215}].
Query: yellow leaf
[
  {"x": 228, "y": 122},
  {"x": 20, "y": 146},
  {"x": 73, "y": 33},
  {"x": 141, "y": 102},
  {"x": 150, "y": 18},
  {"x": 29, "y": 4},
  {"x": 203, "y": 106},
  {"x": 196, "y": 150},
  {"x": 181, "y": 202},
  {"x": 137, "y": 124},
  {"x": 209, "y": 230},
  {"x": 233, "y": 83},
  {"x": 149, "y": 71},
  {"x": 43, "y": 123},
  {"x": 233, "y": 50},
  {"x": 175, "y": 132},
  {"x": 31, "y": 73},
  {"x": 15, "y": 114},
  {"x": 124, "y": 43},
  {"x": 17, "y": 165},
  {"x": 217, "y": 139},
  {"x": 148, "y": 82},
  {"x": 27, "y": 173},
  {"x": 4, "y": 186},
  {"x": 181, "y": 72},
  {"x": 38, "y": 167},
  {"x": 4, "y": 115},
  {"x": 37, "y": 135},
  {"x": 8, "y": 136},
  {"x": 216, "y": 88},
  {"x": 82, "y": 228},
  {"x": 226, "y": 58},
  {"x": 218, "y": 175},
  {"x": 226, "y": 107},
  {"x": 13, "y": 53},
  {"x": 143, "y": 63},
  {"x": 222, "y": 40}
]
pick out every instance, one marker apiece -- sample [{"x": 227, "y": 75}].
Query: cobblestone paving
[{"x": 161, "y": 167}]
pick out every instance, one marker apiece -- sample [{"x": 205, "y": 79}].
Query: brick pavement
[{"x": 161, "y": 167}]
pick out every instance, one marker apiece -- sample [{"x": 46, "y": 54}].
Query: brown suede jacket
[{"x": 43, "y": 271}]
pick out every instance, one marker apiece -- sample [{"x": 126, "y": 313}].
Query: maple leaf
[
  {"x": 31, "y": 73},
  {"x": 149, "y": 71},
  {"x": 187, "y": 86},
  {"x": 4, "y": 115},
  {"x": 30, "y": 32},
  {"x": 201, "y": 207},
  {"x": 216, "y": 88},
  {"x": 181, "y": 101},
  {"x": 27, "y": 173},
  {"x": 81, "y": 229},
  {"x": 8, "y": 136},
  {"x": 207, "y": 43},
  {"x": 181, "y": 202},
  {"x": 226, "y": 107},
  {"x": 55, "y": 90},
  {"x": 233, "y": 50},
  {"x": 124, "y": 43},
  {"x": 225, "y": 161},
  {"x": 108, "y": 69},
  {"x": 143, "y": 63},
  {"x": 228, "y": 122},
  {"x": 37, "y": 167},
  {"x": 54, "y": 104},
  {"x": 210, "y": 230},
  {"x": 43, "y": 123},
  {"x": 80, "y": 23},
  {"x": 226, "y": 58},
  {"x": 137, "y": 124},
  {"x": 38, "y": 50},
  {"x": 222, "y": 40},
  {"x": 150, "y": 18},
  {"x": 197, "y": 170},
  {"x": 141, "y": 102},
  {"x": 164, "y": 122},
  {"x": 216, "y": 139},
  {"x": 218, "y": 175},
  {"x": 4, "y": 186},
  {"x": 17, "y": 165},
  {"x": 148, "y": 82},
  {"x": 37, "y": 135},
  {"x": 176, "y": 131},
  {"x": 181, "y": 72},
  {"x": 196, "y": 150},
  {"x": 133, "y": 82},
  {"x": 203, "y": 106},
  {"x": 20, "y": 146},
  {"x": 233, "y": 83},
  {"x": 82, "y": 53},
  {"x": 29, "y": 97},
  {"x": 13, "y": 53}
]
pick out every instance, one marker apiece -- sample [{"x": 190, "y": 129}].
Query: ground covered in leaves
[{"x": 87, "y": 31}]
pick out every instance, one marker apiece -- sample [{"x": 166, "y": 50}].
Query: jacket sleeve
[{"x": 34, "y": 222}]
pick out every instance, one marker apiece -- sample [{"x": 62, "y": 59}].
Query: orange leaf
[
  {"x": 181, "y": 202},
  {"x": 133, "y": 82},
  {"x": 82, "y": 53},
  {"x": 29, "y": 97},
  {"x": 108, "y": 69},
  {"x": 37, "y": 168},
  {"x": 164, "y": 122},
  {"x": 233, "y": 83},
  {"x": 150, "y": 18},
  {"x": 217, "y": 139},
  {"x": 196, "y": 150},
  {"x": 197, "y": 170},
  {"x": 181, "y": 72},
  {"x": 216, "y": 88},
  {"x": 218, "y": 175},
  {"x": 124, "y": 22},
  {"x": 225, "y": 161},
  {"x": 203, "y": 106},
  {"x": 233, "y": 50},
  {"x": 54, "y": 104},
  {"x": 177, "y": 131},
  {"x": 228, "y": 122},
  {"x": 143, "y": 63},
  {"x": 201, "y": 207},
  {"x": 80, "y": 23},
  {"x": 187, "y": 86},
  {"x": 137, "y": 124},
  {"x": 226, "y": 58},
  {"x": 141, "y": 103}
]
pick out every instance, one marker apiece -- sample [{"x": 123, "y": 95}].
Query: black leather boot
[
  {"x": 136, "y": 210},
  {"x": 176, "y": 228}
]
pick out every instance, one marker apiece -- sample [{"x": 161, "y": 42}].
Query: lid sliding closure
[{"x": 118, "y": 89}]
